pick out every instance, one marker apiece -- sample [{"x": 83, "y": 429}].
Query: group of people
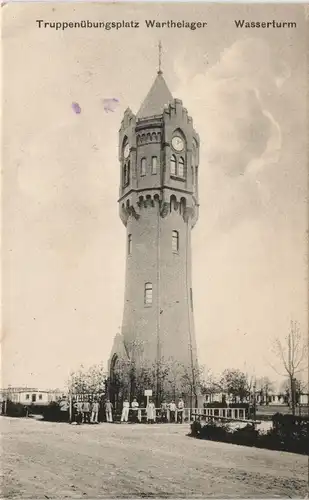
[
  {"x": 88, "y": 411},
  {"x": 168, "y": 412}
]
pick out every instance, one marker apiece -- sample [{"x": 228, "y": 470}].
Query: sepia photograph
[{"x": 154, "y": 250}]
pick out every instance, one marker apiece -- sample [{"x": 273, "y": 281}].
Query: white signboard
[{"x": 148, "y": 392}]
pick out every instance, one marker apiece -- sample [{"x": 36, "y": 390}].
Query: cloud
[
  {"x": 229, "y": 103},
  {"x": 233, "y": 105}
]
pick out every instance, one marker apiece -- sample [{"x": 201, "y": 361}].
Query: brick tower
[{"x": 158, "y": 205}]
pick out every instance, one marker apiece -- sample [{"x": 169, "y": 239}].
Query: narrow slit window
[
  {"x": 173, "y": 165},
  {"x": 154, "y": 165},
  {"x": 191, "y": 298},
  {"x": 148, "y": 294},
  {"x": 124, "y": 175},
  {"x": 128, "y": 173},
  {"x": 129, "y": 244},
  {"x": 175, "y": 241},
  {"x": 181, "y": 167},
  {"x": 143, "y": 166}
]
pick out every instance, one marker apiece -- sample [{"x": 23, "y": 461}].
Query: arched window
[
  {"x": 183, "y": 205},
  {"x": 114, "y": 365},
  {"x": 128, "y": 173},
  {"x": 124, "y": 174},
  {"x": 154, "y": 165},
  {"x": 181, "y": 167},
  {"x": 148, "y": 137},
  {"x": 173, "y": 201},
  {"x": 148, "y": 294},
  {"x": 154, "y": 136},
  {"x": 175, "y": 241},
  {"x": 129, "y": 244},
  {"x": 173, "y": 165},
  {"x": 143, "y": 166}
]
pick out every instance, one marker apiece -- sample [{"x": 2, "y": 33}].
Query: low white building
[
  {"x": 30, "y": 396},
  {"x": 271, "y": 399}
]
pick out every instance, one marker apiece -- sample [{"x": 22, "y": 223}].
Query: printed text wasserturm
[{"x": 243, "y": 23}]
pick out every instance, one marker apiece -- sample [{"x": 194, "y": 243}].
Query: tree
[
  {"x": 192, "y": 381},
  {"x": 210, "y": 385},
  {"x": 166, "y": 377},
  {"x": 235, "y": 383},
  {"x": 299, "y": 387},
  {"x": 292, "y": 355},
  {"x": 264, "y": 386},
  {"x": 88, "y": 381}
]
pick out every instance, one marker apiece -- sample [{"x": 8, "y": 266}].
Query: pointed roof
[{"x": 157, "y": 97}]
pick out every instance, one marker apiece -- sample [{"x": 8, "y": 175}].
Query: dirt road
[{"x": 54, "y": 460}]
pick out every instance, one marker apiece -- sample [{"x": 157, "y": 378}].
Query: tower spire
[{"x": 160, "y": 57}]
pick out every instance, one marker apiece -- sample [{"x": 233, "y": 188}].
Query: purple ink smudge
[{"x": 76, "y": 107}]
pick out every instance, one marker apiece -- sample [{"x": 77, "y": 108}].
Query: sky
[{"x": 63, "y": 244}]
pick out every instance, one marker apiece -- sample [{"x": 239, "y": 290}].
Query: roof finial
[{"x": 160, "y": 56}]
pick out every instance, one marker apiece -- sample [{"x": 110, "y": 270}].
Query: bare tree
[
  {"x": 192, "y": 382},
  {"x": 292, "y": 354}
]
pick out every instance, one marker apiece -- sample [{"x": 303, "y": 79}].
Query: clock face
[
  {"x": 126, "y": 150},
  {"x": 177, "y": 143}
]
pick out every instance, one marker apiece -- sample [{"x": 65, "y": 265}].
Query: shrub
[
  {"x": 292, "y": 432},
  {"x": 225, "y": 405},
  {"x": 16, "y": 409},
  {"x": 52, "y": 413},
  {"x": 215, "y": 432},
  {"x": 288, "y": 434},
  {"x": 196, "y": 428},
  {"x": 247, "y": 436}
]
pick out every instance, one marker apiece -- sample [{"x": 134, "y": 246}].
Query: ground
[{"x": 57, "y": 460}]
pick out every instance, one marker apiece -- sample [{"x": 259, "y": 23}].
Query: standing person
[
  {"x": 74, "y": 411},
  {"x": 151, "y": 412},
  {"x": 95, "y": 412},
  {"x": 125, "y": 411},
  {"x": 134, "y": 407},
  {"x": 86, "y": 411},
  {"x": 164, "y": 408},
  {"x": 141, "y": 412},
  {"x": 180, "y": 406},
  {"x": 172, "y": 408},
  {"x": 79, "y": 410},
  {"x": 109, "y": 411}
]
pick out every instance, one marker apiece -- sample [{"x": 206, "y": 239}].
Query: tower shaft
[{"x": 158, "y": 204}]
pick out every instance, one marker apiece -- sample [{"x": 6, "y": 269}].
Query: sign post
[{"x": 148, "y": 393}]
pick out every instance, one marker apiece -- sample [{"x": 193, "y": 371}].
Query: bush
[
  {"x": 226, "y": 405},
  {"x": 16, "y": 410},
  {"x": 52, "y": 413},
  {"x": 196, "y": 428},
  {"x": 215, "y": 432},
  {"x": 292, "y": 432},
  {"x": 247, "y": 436},
  {"x": 288, "y": 434}
]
